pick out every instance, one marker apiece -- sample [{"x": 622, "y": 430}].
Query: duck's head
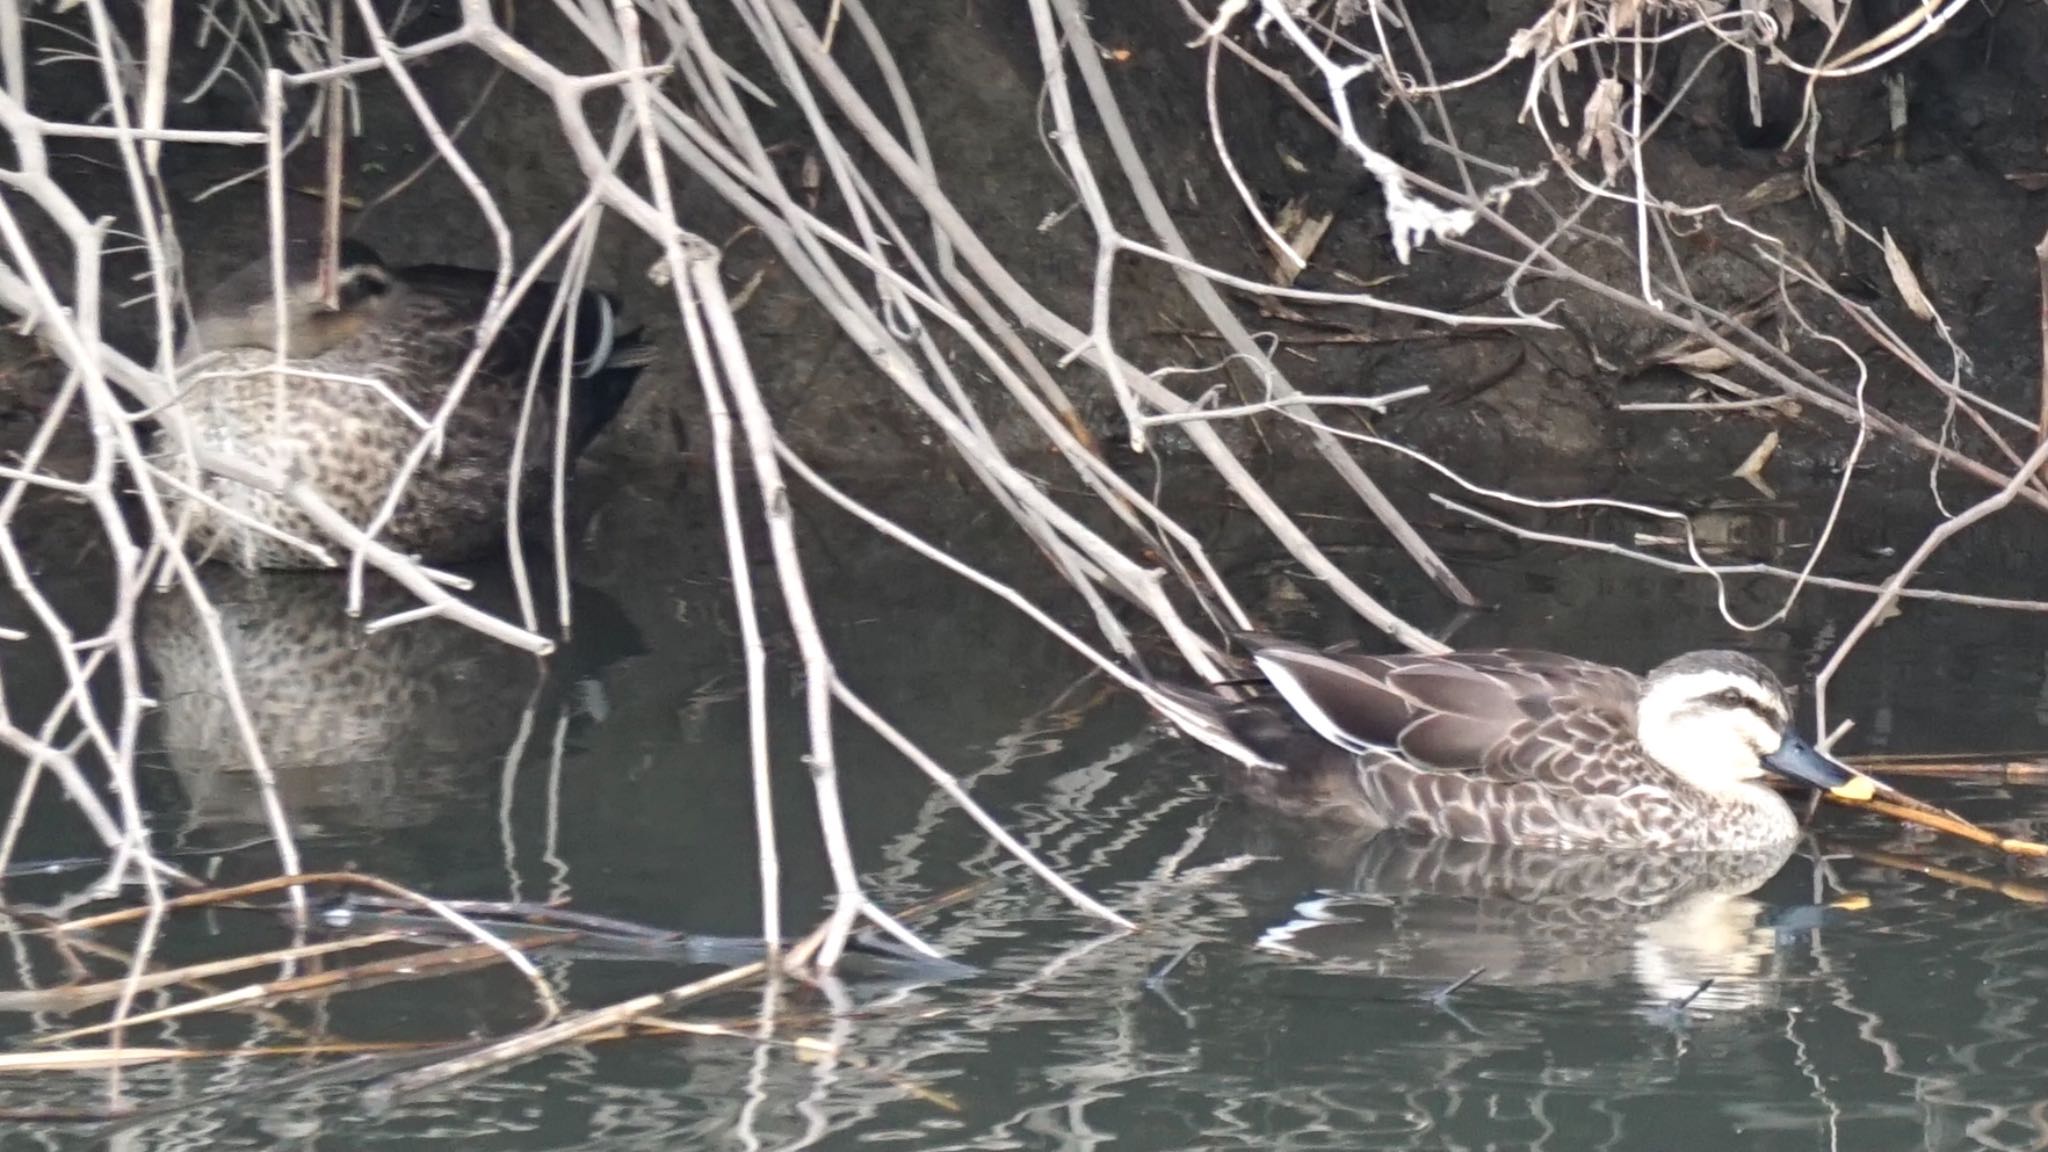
[
  {"x": 241, "y": 311},
  {"x": 1720, "y": 719}
]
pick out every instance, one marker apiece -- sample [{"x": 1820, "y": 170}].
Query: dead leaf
[
  {"x": 1779, "y": 189},
  {"x": 1349, "y": 12},
  {"x": 1622, "y": 15},
  {"x": 1724, "y": 384},
  {"x": 1602, "y": 110},
  {"x": 1783, "y": 12},
  {"x": 1701, "y": 360},
  {"x": 1537, "y": 40},
  {"x": 352, "y": 203},
  {"x": 1357, "y": 282},
  {"x": 1759, "y": 456},
  {"x": 811, "y": 178},
  {"x": 1529, "y": 41},
  {"x": 1290, "y": 215},
  {"x": 2030, "y": 181},
  {"x": 1823, "y": 11},
  {"x": 1904, "y": 280},
  {"x": 1752, "y": 469},
  {"x": 1838, "y": 223},
  {"x": 1302, "y": 234}
]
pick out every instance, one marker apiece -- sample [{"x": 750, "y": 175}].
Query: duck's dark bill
[{"x": 1797, "y": 759}]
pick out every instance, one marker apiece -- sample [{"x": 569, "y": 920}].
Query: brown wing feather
[
  {"x": 455, "y": 503},
  {"x": 1505, "y": 714},
  {"x": 422, "y": 344}
]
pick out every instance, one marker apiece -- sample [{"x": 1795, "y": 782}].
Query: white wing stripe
[
  {"x": 607, "y": 331},
  {"x": 1279, "y": 671}
]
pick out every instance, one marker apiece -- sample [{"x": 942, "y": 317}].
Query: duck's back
[
  {"x": 349, "y": 438},
  {"x": 1502, "y": 747},
  {"x": 1503, "y": 715}
]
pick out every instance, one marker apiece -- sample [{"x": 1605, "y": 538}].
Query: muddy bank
[{"x": 1956, "y": 188}]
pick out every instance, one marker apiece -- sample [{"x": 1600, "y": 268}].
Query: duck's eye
[{"x": 359, "y": 284}]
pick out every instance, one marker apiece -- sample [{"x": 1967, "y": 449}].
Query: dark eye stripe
[
  {"x": 359, "y": 284},
  {"x": 1736, "y": 699}
]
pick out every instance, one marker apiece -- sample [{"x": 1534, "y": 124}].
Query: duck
[
  {"x": 323, "y": 423},
  {"x": 1520, "y": 747}
]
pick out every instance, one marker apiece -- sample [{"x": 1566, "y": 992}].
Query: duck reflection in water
[
  {"x": 364, "y": 730},
  {"x": 1432, "y": 910}
]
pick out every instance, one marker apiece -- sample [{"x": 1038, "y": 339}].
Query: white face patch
[
  {"x": 1711, "y": 727},
  {"x": 357, "y": 282},
  {"x": 1714, "y": 688}
]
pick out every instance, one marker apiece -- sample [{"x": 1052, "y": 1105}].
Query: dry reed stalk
[
  {"x": 2011, "y": 889},
  {"x": 568, "y": 1030},
  {"x": 71, "y": 998},
  {"x": 412, "y": 966},
  {"x": 2019, "y": 767},
  {"x": 75, "y": 949},
  {"x": 585, "y": 1026},
  {"x": 1907, "y": 810},
  {"x": 99, "y": 1059},
  {"x": 464, "y": 924},
  {"x": 2041, "y": 267}
]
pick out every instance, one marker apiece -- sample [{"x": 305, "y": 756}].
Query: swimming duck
[
  {"x": 1527, "y": 748},
  {"x": 410, "y": 329}
]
